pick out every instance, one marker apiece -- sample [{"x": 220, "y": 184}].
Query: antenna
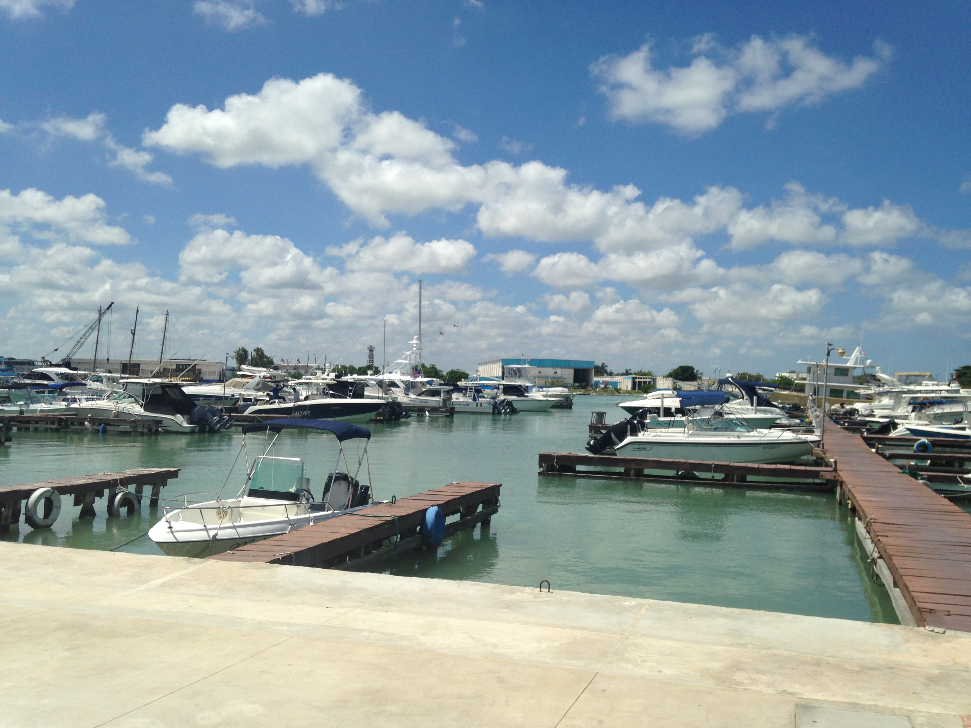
[
  {"x": 419, "y": 323},
  {"x": 97, "y": 338}
]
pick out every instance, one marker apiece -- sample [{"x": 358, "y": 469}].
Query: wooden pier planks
[
  {"x": 924, "y": 539},
  {"x": 86, "y": 483},
  {"x": 551, "y": 463},
  {"x": 353, "y": 533}
]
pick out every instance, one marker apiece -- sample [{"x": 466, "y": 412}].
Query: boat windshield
[
  {"x": 718, "y": 422},
  {"x": 121, "y": 397},
  {"x": 280, "y": 478}
]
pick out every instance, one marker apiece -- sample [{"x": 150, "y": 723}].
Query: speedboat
[
  {"x": 720, "y": 440},
  {"x": 473, "y": 401},
  {"x": 340, "y": 400},
  {"x": 276, "y": 497},
  {"x": 159, "y": 400}
]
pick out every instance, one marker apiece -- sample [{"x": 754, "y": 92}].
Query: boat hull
[
  {"x": 345, "y": 410},
  {"x": 729, "y": 449}
]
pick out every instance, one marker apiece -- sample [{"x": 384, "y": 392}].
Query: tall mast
[
  {"x": 384, "y": 347},
  {"x": 97, "y": 337},
  {"x": 132, "y": 349},
  {"x": 419, "y": 323},
  {"x": 165, "y": 329}
]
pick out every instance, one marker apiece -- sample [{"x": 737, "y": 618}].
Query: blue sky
[{"x": 727, "y": 186}]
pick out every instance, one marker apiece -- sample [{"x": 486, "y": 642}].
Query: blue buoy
[
  {"x": 923, "y": 447},
  {"x": 103, "y": 429},
  {"x": 433, "y": 527}
]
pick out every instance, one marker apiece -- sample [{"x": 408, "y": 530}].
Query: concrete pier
[{"x": 94, "y": 638}]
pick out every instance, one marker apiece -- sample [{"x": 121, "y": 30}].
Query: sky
[{"x": 725, "y": 185}]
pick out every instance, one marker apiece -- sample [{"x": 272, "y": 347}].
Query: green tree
[
  {"x": 454, "y": 376},
  {"x": 600, "y": 370},
  {"x": 963, "y": 376},
  {"x": 684, "y": 373},
  {"x": 241, "y": 355},
  {"x": 260, "y": 358},
  {"x": 749, "y": 377},
  {"x": 643, "y": 373},
  {"x": 433, "y": 372},
  {"x": 785, "y": 382}
]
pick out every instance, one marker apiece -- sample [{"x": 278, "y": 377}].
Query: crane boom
[{"x": 85, "y": 335}]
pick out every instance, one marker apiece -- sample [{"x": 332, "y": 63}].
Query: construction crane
[{"x": 85, "y": 335}]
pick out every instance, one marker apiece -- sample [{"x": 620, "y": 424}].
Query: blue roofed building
[{"x": 545, "y": 372}]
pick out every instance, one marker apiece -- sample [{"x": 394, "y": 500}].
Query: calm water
[{"x": 759, "y": 550}]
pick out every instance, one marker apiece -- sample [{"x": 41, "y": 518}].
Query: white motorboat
[
  {"x": 473, "y": 401},
  {"x": 159, "y": 400},
  {"x": 722, "y": 440},
  {"x": 276, "y": 497}
]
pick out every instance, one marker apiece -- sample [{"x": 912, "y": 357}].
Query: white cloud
[
  {"x": 879, "y": 226},
  {"x": 87, "y": 129},
  {"x": 805, "y": 267},
  {"x": 74, "y": 219},
  {"x": 211, "y": 222},
  {"x": 514, "y": 146},
  {"x": 575, "y": 303},
  {"x": 762, "y": 75},
  {"x": 5, "y": 128},
  {"x": 311, "y": 8},
  {"x": 401, "y": 253},
  {"x": 513, "y": 261},
  {"x": 742, "y": 303},
  {"x": 567, "y": 270},
  {"x": 92, "y": 128},
  {"x": 464, "y": 135},
  {"x": 966, "y": 187},
  {"x": 229, "y": 14},
  {"x": 886, "y": 270},
  {"x": 135, "y": 162},
  {"x": 793, "y": 220},
  {"x": 928, "y": 302},
  {"x": 32, "y": 8},
  {"x": 149, "y": 219}
]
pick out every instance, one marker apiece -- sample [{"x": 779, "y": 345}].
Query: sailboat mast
[
  {"x": 419, "y": 323},
  {"x": 165, "y": 329},
  {"x": 97, "y": 337},
  {"x": 384, "y": 348},
  {"x": 131, "y": 351}
]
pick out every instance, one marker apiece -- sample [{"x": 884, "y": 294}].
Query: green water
[{"x": 693, "y": 543}]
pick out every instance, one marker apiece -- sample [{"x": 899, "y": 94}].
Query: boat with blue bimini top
[{"x": 276, "y": 497}]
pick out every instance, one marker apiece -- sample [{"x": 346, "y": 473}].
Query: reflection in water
[{"x": 468, "y": 554}]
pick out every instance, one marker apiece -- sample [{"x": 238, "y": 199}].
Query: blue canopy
[
  {"x": 700, "y": 397},
  {"x": 342, "y": 430},
  {"x": 750, "y": 390},
  {"x": 58, "y": 385}
]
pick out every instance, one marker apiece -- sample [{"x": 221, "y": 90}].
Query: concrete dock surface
[{"x": 92, "y": 638}]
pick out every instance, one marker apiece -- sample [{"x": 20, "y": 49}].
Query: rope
[
  {"x": 128, "y": 542},
  {"x": 231, "y": 470}
]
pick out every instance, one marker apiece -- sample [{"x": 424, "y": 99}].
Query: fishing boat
[
  {"x": 277, "y": 496},
  {"x": 159, "y": 400}
]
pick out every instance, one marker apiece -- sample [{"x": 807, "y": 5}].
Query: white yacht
[
  {"x": 277, "y": 497},
  {"x": 728, "y": 441},
  {"x": 738, "y": 399}
]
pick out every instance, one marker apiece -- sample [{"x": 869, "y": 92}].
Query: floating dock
[
  {"x": 922, "y": 540},
  {"x": 776, "y": 477},
  {"x": 85, "y": 489},
  {"x": 373, "y": 534}
]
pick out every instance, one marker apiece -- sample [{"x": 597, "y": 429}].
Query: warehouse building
[{"x": 576, "y": 373}]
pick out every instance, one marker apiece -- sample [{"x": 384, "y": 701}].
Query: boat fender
[
  {"x": 37, "y": 505},
  {"x": 103, "y": 429},
  {"x": 923, "y": 447},
  {"x": 124, "y": 503},
  {"x": 433, "y": 527},
  {"x": 60, "y": 423}
]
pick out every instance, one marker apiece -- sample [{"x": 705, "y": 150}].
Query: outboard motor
[
  {"x": 885, "y": 429},
  {"x": 211, "y": 418},
  {"x": 503, "y": 406},
  {"x": 615, "y": 435},
  {"x": 393, "y": 411},
  {"x": 347, "y": 491}
]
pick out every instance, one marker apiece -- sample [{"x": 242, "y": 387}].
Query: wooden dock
[
  {"x": 85, "y": 489},
  {"x": 68, "y": 421},
  {"x": 776, "y": 477},
  {"x": 376, "y": 533},
  {"x": 923, "y": 539}
]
